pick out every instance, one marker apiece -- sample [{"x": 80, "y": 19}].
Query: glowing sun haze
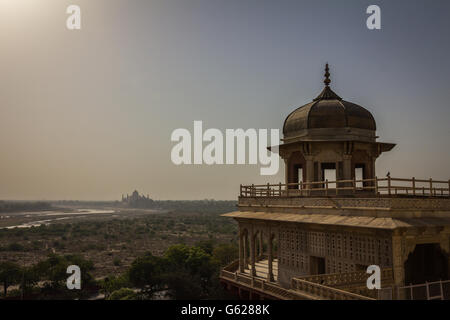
[{"x": 88, "y": 114}]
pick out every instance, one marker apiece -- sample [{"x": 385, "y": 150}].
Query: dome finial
[
  {"x": 327, "y": 76},
  {"x": 327, "y": 93}
]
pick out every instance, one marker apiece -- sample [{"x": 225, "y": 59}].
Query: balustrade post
[
  {"x": 389, "y": 185},
  {"x": 337, "y": 189},
  {"x": 326, "y": 187},
  {"x": 431, "y": 187},
  {"x": 354, "y": 184},
  {"x": 376, "y": 185},
  {"x": 414, "y": 185},
  {"x": 449, "y": 188}
]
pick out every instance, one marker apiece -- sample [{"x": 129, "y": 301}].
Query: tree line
[{"x": 182, "y": 272}]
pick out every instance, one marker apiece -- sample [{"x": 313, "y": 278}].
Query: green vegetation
[
  {"x": 52, "y": 276},
  {"x": 181, "y": 273},
  {"x": 134, "y": 255},
  {"x": 123, "y": 294},
  {"x": 10, "y": 274}
]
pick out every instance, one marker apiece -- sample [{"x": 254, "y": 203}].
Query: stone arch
[{"x": 426, "y": 263}]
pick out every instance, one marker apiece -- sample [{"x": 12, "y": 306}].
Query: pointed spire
[
  {"x": 327, "y": 93},
  {"x": 327, "y": 75}
]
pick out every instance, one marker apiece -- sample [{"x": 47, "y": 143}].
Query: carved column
[
  {"x": 245, "y": 247},
  {"x": 270, "y": 257},
  {"x": 253, "y": 253},
  {"x": 286, "y": 170},
  {"x": 320, "y": 173},
  {"x": 260, "y": 243},
  {"x": 372, "y": 163},
  {"x": 241, "y": 252},
  {"x": 398, "y": 264},
  {"x": 347, "y": 167},
  {"x": 445, "y": 242},
  {"x": 445, "y": 246},
  {"x": 309, "y": 168}
]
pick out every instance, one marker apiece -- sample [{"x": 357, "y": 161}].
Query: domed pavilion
[
  {"x": 330, "y": 134},
  {"x": 316, "y": 235}
]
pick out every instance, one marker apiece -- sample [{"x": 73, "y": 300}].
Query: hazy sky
[{"x": 88, "y": 114}]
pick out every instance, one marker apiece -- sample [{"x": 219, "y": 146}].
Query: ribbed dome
[{"x": 327, "y": 111}]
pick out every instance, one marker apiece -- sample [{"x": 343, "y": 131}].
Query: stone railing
[
  {"x": 301, "y": 289},
  {"x": 377, "y": 186},
  {"x": 348, "y": 278},
  {"x": 355, "y": 282},
  {"x": 232, "y": 266},
  {"x": 325, "y": 292},
  {"x": 228, "y": 275},
  {"x": 262, "y": 285}
]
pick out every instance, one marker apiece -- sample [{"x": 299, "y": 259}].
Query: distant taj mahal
[{"x": 136, "y": 200}]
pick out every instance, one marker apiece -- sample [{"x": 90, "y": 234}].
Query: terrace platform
[
  {"x": 391, "y": 222},
  {"x": 262, "y": 269},
  {"x": 310, "y": 288}
]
